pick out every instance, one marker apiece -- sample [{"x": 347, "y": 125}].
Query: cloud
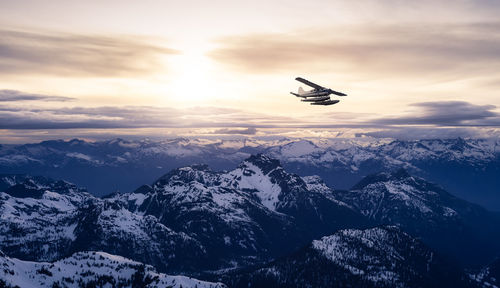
[
  {"x": 63, "y": 54},
  {"x": 86, "y": 117},
  {"x": 13, "y": 96},
  {"x": 247, "y": 131},
  {"x": 439, "y": 119},
  {"x": 397, "y": 50},
  {"x": 415, "y": 133},
  {"x": 439, "y": 114},
  {"x": 447, "y": 113},
  {"x": 107, "y": 117}
]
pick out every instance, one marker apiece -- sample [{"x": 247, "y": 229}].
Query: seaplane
[{"x": 319, "y": 95}]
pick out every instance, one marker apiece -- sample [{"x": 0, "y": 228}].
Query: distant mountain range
[
  {"x": 467, "y": 168},
  {"x": 258, "y": 224}
]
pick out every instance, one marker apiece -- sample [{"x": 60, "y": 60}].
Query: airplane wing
[
  {"x": 309, "y": 83},
  {"x": 337, "y": 93}
]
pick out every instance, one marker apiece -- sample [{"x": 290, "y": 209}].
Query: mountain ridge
[
  {"x": 383, "y": 256},
  {"x": 123, "y": 165},
  {"x": 90, "y": 269}
]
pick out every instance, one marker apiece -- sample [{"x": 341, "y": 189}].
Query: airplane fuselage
[
  {"x": 315, "y": 93},
  {"x": 312, "y": 93}
]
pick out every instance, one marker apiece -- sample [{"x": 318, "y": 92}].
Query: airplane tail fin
[{"x": 301, "y": 91}]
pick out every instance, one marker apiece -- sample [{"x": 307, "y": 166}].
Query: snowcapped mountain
[
  {"x": 191, "y": 219},
  {"x": 33, "y": 217},
  {"x": 249, "y": 214},
  {"x": 90, "y": 269},
  {"x": 467, "y": 168},
  {"x": 197, "y": 221},
  {"x": 376, "y": 257},
  {"x": 448, "y": 224},
  {"x": 44, "y": 226}
]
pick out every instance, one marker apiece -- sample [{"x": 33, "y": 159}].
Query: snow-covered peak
[
  {"x": 298, "y": 148},
  {"x": 193, "y": 173},
  {"x": 264, "y": 177},
  {"x": 259, "y": 176},
  {"x": 315, "y": 183},
  {"x": 263, "y": 162},
  {"x": 250, "y": 176}
]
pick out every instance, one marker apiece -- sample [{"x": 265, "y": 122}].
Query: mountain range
[
  {"x": 467, "y": 168},
  {"x": 258, "y": 220}
]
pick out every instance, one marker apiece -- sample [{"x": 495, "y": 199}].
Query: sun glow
[{"x": 192, "y": 80}]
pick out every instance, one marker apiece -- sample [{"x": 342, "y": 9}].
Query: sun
[{"x": 192, "y": 78}]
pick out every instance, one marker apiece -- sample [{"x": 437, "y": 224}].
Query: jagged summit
[
  {"x": 263, "y": 162},
  {"x": 144, "y": 189},
  {"x": 261, "y": 176},
  {"x": 195, "y": 172}
]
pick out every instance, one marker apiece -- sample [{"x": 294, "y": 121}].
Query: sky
[{"x": 104, "y": 69}]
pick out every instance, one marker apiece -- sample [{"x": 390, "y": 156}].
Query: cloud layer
[
  {"x": 447, "y": 113},
  {"x": 426, "y": 119},
  {"x": 437, "y": 113},
  {"x": 247, "y": 131},
  {"x": 14, "y": 96},
  {"x": 397, "y": 50},
  {"x": 61, "y": 54}
]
